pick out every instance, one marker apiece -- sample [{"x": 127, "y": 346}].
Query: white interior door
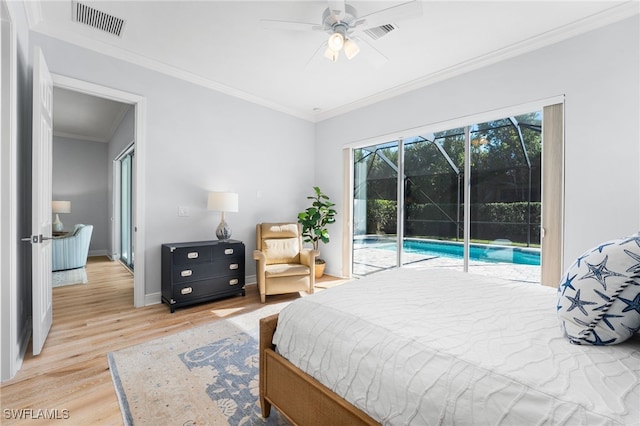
[{"x": 41, "y": 201}]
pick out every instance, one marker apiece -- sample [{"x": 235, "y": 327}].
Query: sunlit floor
[{"x": 369, "y": 260}]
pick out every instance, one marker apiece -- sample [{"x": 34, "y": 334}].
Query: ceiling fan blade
[
  {"x": 370, "y": 53},
  {"x": 337, "y": 9},
  {"x": 400, "y": 11},
  {"x": 272, "y": 24},
  {"x": 316, "y": 55}
]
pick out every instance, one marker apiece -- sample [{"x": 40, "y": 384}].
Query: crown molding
[{"x": 161, "y": 67}]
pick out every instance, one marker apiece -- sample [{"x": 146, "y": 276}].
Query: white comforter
[{"x": 429, "y": 346}]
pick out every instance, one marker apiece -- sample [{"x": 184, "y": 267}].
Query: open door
[{"x": 41, "y": 201}]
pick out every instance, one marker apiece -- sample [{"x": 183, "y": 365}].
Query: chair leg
[{"x": 263, "y": 297}]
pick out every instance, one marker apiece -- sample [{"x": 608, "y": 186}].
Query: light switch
[{"x": 183, "y": 211}]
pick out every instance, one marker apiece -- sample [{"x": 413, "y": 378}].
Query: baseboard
[
  {"x": 152, "y": 299},
  {"x": 98, "y": 253},
  {"x": 156, "y": 298}
]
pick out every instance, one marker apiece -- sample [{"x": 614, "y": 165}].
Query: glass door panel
[
  {"x": 375, "y": 242},
  {"x": 505, "y": 198},
  {"x": 434, "y": 199}
]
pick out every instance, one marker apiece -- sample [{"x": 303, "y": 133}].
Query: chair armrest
[
  {"x": 308, "y": 256},
  {"x": 261, "y": 259},
  {"x": 259, "y": 256}
]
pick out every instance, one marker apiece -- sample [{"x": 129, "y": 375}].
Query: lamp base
[
  {"x": 223, "y": 231},
  {"x": 57, "y": 226}
]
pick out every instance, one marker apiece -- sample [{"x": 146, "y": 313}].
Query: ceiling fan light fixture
[
  {"x": 331, "y": 55},
  {"x": 351, "y": 49},
  {"x": 336, "y": 41}
]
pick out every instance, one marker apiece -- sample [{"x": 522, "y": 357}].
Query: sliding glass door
[
  {"x": 126, "y": 210},
  {"x": 375, "y": 208},
  {"x": 434, "y": 198},
  {"x": 410, "y": 205},
  {"x": 505, "y": 196}
]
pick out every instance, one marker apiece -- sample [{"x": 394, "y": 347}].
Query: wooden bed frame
[{"x": 299, "y": 397}]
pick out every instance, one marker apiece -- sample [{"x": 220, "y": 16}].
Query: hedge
[{"x": 489, "y": 221}]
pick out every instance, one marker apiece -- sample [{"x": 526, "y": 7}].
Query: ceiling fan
[{"x": 343, "y": 24}]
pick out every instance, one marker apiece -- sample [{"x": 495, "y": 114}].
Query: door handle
[{"x": 35, "y": 239}]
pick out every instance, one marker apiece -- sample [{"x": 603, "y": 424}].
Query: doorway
[{"x": 137, "y": 182}]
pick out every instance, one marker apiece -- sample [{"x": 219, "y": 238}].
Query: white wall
[
  {"x": 598, "y": 73},
  {"x": 198, "y": 140},
  {"x": 80, "y": 176}
]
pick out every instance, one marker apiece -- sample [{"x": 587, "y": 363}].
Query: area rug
[
  {"x": 207, "y": 375},
  {"x": 71, "y": 276}
]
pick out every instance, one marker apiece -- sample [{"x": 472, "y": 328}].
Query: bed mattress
[{"x": 436, "y": 346}]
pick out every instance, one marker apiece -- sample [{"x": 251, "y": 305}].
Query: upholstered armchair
[
  {"x": 70, "y": 251},
  {"x": 282, "y": 264}
]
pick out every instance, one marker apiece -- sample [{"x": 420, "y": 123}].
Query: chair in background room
[
  {"x": 70, "y": 251},
  {"x": 283, "y": 265}
]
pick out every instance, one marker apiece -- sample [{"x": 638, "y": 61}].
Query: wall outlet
[{"x": 183, "y": 211}]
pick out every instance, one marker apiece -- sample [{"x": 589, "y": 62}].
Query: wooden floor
[{"x": 71, "y": 375}]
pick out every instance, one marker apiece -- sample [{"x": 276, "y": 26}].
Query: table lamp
[
  {"x": 59, "y": 207},
  {"x": 223, "y": 202}
]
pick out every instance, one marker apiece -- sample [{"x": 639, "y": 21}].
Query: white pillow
[{"x": 599, "y": 295}]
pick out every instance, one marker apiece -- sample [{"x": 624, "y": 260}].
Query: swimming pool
[{"x": 483, "y": 252}]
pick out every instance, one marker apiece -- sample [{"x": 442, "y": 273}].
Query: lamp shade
[
  {"x": 61, "y": 206},
  {"x": 223, "y": 201}
]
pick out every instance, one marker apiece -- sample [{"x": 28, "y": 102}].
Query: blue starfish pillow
[{"x": 599, "y": 294}]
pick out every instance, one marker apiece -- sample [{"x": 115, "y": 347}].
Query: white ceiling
[
  {"x": 223, "y": 44},
  {"x": 85, "y": 117}
]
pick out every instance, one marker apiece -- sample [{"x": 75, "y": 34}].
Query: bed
[{"x": 436, "y": 346}]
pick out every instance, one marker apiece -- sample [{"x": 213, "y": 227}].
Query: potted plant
[{"x": 314, "y": 221}]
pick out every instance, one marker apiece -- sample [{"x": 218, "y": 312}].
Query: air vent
[
  {"x": 97, "y": 19},
  {"x": 377, "y": 32}
]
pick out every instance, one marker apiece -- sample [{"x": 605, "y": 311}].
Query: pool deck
[{"x": 367, "y": 260}]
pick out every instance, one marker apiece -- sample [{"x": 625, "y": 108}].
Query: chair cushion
[
  {"x": 281, "y": 250},
  {"x": 285, "y": 270},
  {"x": 279, "y": 230}
]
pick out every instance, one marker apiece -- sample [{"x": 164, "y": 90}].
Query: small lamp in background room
[
  {"x": 223, "y": 202},
  {"x": 59, "y": 207}
]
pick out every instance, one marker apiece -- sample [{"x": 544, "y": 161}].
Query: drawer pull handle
[
  {"x": 192, "y": 255},
  {"x": 233, "y": 281},
  {"x": 186, "y": 273},
  {"x": 233, "y": 266},
  {"x": 228, "y": 251},
  {"x": 186, "y": 290}
]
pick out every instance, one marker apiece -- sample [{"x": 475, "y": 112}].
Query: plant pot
[{"x": 320, "y": 269}]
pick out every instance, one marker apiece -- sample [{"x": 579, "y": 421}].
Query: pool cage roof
[{"x": 514, "y": 124}]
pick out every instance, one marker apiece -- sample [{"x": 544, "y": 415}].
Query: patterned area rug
[
  {"x": 207, "y": 375},
  {"x": 71, "y": 276}
]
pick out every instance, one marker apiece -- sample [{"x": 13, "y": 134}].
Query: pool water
[{"x": 480, "y": 252}]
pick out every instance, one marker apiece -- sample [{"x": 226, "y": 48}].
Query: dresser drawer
[
  {"x": 191, "y": 255},
  {"x": 226, "y": 250},
  {"x": 200, "y": 271},
  {"x": 205, "y": 288}
]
